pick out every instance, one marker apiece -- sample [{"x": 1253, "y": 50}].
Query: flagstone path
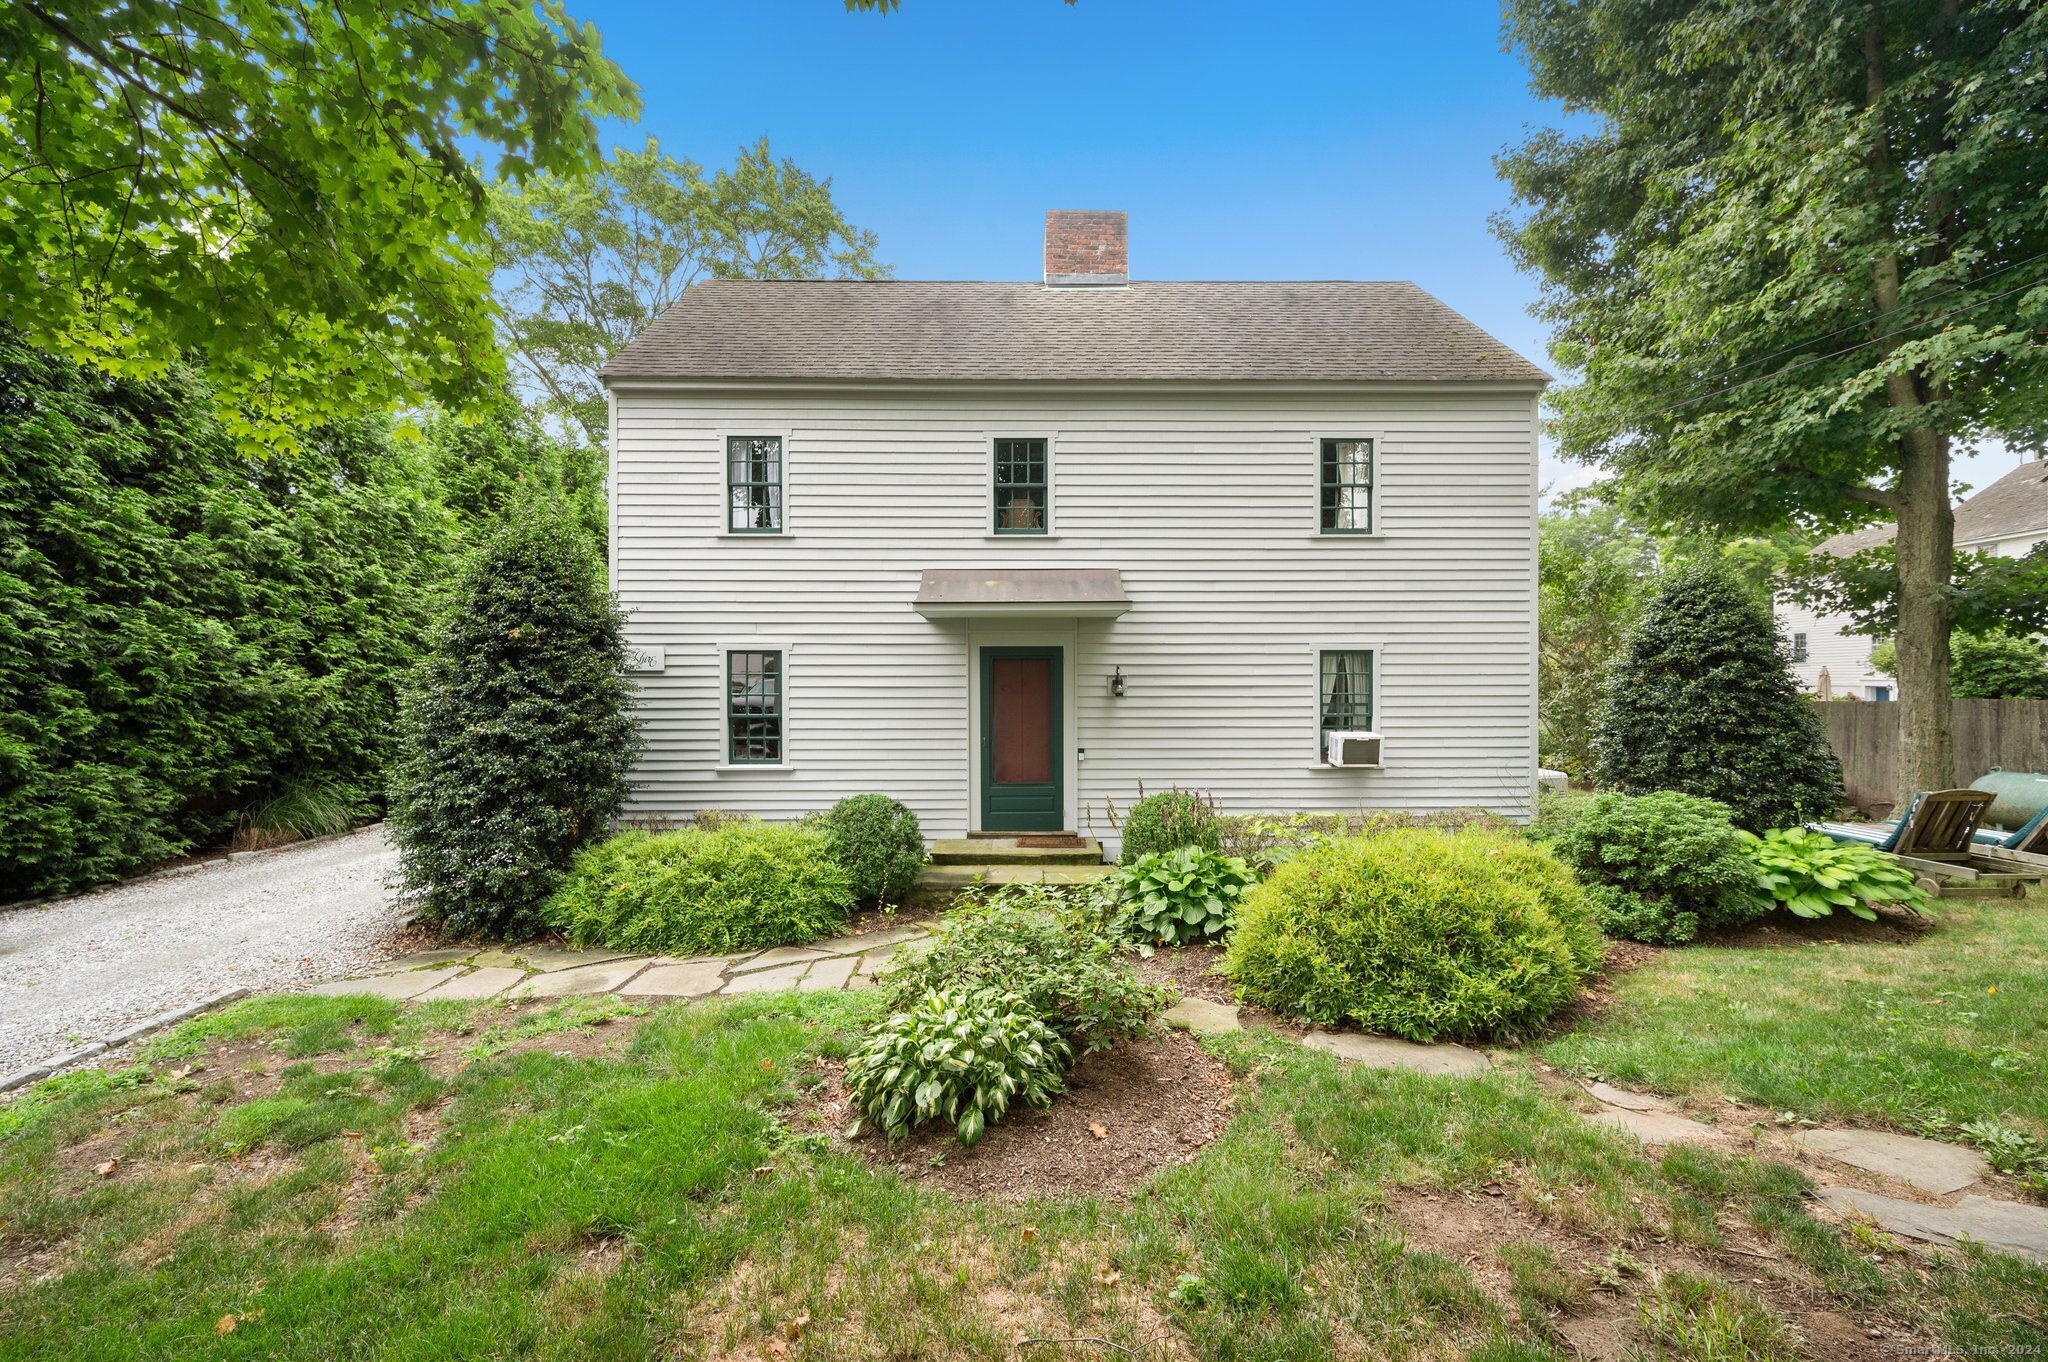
[{"x": 516, "y": 973}]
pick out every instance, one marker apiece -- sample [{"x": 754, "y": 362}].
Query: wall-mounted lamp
[{"x": 1116, "y": 683}]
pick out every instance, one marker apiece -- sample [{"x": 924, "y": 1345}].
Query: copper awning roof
[{"x": 1014, "y": 593}]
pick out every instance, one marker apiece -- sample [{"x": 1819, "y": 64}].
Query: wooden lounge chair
[
  {"x": 1939, "y": 825},
  {"x": 2030, "y": 838}
]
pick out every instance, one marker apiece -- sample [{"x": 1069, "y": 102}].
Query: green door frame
[{"x": 1056, "y": 818}]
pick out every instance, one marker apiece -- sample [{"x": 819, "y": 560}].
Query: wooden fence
[{"x": 2012, "y": 734}]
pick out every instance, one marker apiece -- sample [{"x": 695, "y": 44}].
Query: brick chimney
[{"x": 1087, "y": 248}]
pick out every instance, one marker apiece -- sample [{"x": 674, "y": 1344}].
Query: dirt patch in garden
[
  {"x": 1126, "y": 1114},
  {"x": 1894, "y": 927},
  {"x": 1470, "y": 1229}
]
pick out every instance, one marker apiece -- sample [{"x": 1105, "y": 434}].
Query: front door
[{"x": 1020, "y": 741}]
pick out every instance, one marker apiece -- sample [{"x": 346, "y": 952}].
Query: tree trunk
[
  {"x": 1926, "y": 542},
  {"x": 1926, "y": 557}
]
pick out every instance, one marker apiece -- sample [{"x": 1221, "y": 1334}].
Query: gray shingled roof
[
  {"x": 2014, "y": 505},
  {"x": 900, "y": 330}
]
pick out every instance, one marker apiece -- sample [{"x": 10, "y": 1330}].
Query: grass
[
  {"x": 319, "y": 1177},
  {"x": 1939, "y": 1033}
]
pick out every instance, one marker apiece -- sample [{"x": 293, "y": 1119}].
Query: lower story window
[
  {"x": 753, "y": 707},
  {"x": 1346, "y": 691}
]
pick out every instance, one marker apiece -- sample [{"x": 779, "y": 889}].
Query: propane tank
[{"x": 2019, "y": 796}]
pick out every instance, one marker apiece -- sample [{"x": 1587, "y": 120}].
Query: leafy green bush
[
  {"x": 879, "y": 843},
  {"x": 1182, "y": 895},
  {"x": 1418, "y": 933},
  {"x": 704, "y": 891},
  {"x": 1997, "y": 666},
  {"x": 519, "y": 732},
  {"x": 1264, "y": 840},
  {"x": 963, "y": 1055},
  {"x": 1661, "y": 867},
  {"x": 1703, "y": 701},
  {"x": 1812, "y": 874},
  {"x": 1169, "y": 819},
  {"x": 1048, "y": 948},
  {"x": 186, "y": 634}
]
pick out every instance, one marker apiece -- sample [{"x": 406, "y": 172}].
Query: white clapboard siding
[
  {"x": 1206, "y": 500},
  {"x": 1829, "y": 644}
]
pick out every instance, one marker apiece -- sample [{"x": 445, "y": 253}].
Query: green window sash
[
  {"x": 1023, "y": 487},
  {"x": 1347, "y": 486},
  {"x": 753, "y": 708}
]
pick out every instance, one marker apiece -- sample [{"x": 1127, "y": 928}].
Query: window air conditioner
[{"x": 1352, "y": 748}]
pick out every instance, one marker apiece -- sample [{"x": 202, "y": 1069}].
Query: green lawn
[
  {"x": 442, "y": 1183},
  {"x": 1952, "y": 1027}
]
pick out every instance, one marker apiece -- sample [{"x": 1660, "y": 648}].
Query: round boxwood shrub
[
  {"x": 1703, "y": 701},
  {"x": 878, "y": 841},
  {"x": 519, "y": 732},
  {"x": 1417, "y": 933},
  {"x": 1168, "y": 821},
  {"x": 704, "y": 891},
  {"x": 1662, "y": 867}
]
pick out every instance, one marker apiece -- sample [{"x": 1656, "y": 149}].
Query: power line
[{"x": 1847, "y": 349}]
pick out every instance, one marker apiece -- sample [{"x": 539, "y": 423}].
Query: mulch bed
[
  {"x": 1893, "y": 927},
  {"x": 1126, "y": 1114}
]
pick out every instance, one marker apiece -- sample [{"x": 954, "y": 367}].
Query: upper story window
[
  {"x": 753, "y": 707},
  {"x": 1799, "y": 647},
  {"x": 1347, "y": 486},
  {"x": 1023, "y": 487},
  {"x": 754, "y": 484}
]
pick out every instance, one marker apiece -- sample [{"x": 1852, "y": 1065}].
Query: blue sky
[{"x": 1289, "y": 140}]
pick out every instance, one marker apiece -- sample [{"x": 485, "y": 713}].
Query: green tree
[
  {"x": 486, "y": 460},
  {"x": 589, "y": 262},
  {"x": 1702, "y": 701},
  {"x": 1998, "y": 666},
  {"x": 518, "y": 734},
  {"x": 280, "y": 190},
  {"x": 188, "y": 633},
  {"x": 1594, "y": 572},
  {"x": 1795, "y": 260}
]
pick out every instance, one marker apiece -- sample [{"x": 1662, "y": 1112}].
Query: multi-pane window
[
  {"x": 753, "y": 707},
  {"x": 1022, "y": 489},
  {"x": 754, "y": 480},
  {"x": 1799, "y": 647},
  {"x": 1347, "y": 486},
  {"x": 1346, "y": 692}
]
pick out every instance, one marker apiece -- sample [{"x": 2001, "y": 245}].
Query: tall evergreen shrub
[
  {"x": 1703, "y": 701},
  {"x": 187, "y": 634},
  {"x": 518, "y": 735}
]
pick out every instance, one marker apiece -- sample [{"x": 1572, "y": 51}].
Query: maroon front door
[{"x": 1021, "y": 789}]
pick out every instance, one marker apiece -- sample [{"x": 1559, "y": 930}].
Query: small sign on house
[{"x": 646, "y": 657}]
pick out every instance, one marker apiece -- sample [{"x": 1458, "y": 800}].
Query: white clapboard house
[
  {"x": 2007, "y": 519},
  {"x": 1009, "y": 551}
]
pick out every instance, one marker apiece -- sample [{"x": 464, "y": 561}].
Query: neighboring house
[
  {"x": 1009, "y": 551},
  {"x": 2007, "y": 518}
]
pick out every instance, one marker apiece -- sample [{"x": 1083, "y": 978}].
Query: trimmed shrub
[
  {"x": 704, "y": 891},
  {"x": 1661, "y": 868},
  {"x": 1417, "y": 933},
  {"x": 1703, "y": 701},
  {"x": 960, "y": 1055},
  {"x": 519, "y": 733},
  {"x": 1046, "y": 948},
  {"x": 878, "y": 841},
  {"x": 1182, "y": 895},
  {"x": 1168, "y": 820}
]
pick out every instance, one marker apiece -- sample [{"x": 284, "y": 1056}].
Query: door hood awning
[{"x": 1021, "y": 593}]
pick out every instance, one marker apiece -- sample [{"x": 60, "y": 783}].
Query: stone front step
[
  {"x": 942, "y": 881},
  {"x": 1008, "y": 851}
]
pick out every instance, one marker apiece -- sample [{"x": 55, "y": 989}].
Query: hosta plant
[
  {"x": 959, "y": 1055},
  {"x": 1812, "y": 874},
  {"x": 1183, "y": 895}
]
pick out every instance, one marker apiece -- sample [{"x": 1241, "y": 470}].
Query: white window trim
[
  {"x": 1373, "y": 501},
  {"x": 1315, "y": 691},
  {"x": 725, "y": 436},
  {"x": 988, "y": 484},
  {"x": 724, "y": 651}
]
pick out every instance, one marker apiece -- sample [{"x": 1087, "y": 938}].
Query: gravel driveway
[{"x": 74, "y": 970}]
